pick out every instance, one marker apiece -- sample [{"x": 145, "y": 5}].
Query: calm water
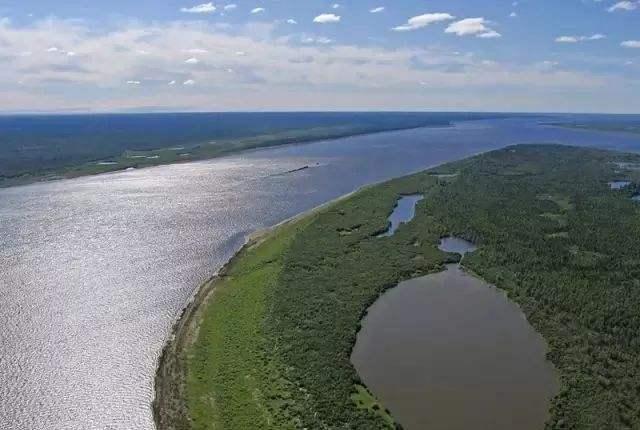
[
  {"x": 95, "y": 270},
  {"x": 447, "y": 351},
  {"x": 404, "y": 212},
  {"x": 457, "y": 245},
  {"x": 618, "y": 185}
]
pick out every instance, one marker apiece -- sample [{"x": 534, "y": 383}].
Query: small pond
[
  {"x": 618, "y": 185},
  {"x": 457, "y": 245},
  {"x": 403, "y": 212}
]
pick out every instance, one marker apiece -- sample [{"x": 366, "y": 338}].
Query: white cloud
[
  {"x": 231, "y": 6},
  {"x": 133, "y": 82},
  {"x": 377, "y": 9},
  {"x": 192, "y": 60},
  {"x": 623, "y": 5},
  {"x": 172, "y": 82},
  {"x": 240, "y": 53},
  {"x": 326, "y": 18},
  {"x": 513, "y": 15},
  {"x": 335, "y": 6},
  {"x": 421, "y": 21},
  {"x": 53, "y": 49},
  {"x": 189, "y": 82},
  {"x": 316, "y": 40},
  {"x": 472, "y": 26},
  {"x": 201, "y": 8},
  {"x": 257, "y": 10},
  {"x": 305, "y": 75},
  {"x": 631, "y": 44},
  {"x": 567, "y": 39},
  {"x": 71, "y": 54},
  {"x": 196, "y": 51},
  {"x": 576, "y": 39},
  {"x": 491, "y": 34},
  {"x": 292, "y": 21}
]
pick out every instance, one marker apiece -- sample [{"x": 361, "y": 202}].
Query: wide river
[{"x": 95, "y": 270}]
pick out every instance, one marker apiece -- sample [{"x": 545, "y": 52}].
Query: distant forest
[{"x": 33, "y": 146}]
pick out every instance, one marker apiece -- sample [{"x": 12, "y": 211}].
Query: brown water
[{"x": 448, "y": 351}]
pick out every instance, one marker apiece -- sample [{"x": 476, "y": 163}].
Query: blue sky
[{"x": 116, "y": 55}]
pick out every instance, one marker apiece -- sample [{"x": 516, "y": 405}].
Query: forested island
[
  {"x": 616, "y": 127},
  {"x": 267, "y": 343}
]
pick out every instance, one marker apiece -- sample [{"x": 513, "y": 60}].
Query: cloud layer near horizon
[{"x": 63, "y": 64}]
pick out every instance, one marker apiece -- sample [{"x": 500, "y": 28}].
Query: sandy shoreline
[{"x": 169, "y": 411}]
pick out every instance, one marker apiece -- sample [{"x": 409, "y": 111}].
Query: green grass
[
  {"x": 230, "y": 384},
  {"x": 365, "y": 400}
]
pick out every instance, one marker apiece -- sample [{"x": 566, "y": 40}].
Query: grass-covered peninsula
[{"x": 267, "y": 344}]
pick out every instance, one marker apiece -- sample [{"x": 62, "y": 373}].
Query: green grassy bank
[{"x": 268, "y": 345}]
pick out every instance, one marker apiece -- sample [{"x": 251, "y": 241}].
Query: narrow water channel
[
  {"x": 448, "y": 351},
  {"x": 403, "y": 212}
]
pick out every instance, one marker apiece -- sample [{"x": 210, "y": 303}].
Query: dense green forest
[
  {"x": 269, "y": 345},
  {"x": 624, "y": 127}
]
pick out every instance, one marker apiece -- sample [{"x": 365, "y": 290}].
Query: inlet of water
[{"x": 403, "y": 212}]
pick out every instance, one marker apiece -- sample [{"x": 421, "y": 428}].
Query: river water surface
[{"x": 95, "y": 270}]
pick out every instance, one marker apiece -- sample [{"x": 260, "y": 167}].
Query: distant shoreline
[{"x": 178, "y": 155}]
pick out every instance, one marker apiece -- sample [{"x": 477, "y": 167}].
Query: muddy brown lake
[{"x": 449, "y": 351}]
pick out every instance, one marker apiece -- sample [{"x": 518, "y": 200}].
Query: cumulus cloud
[
  {"x": 189, "y": 82},
  {"x": 229, "y": 7},
  {"x": 201, "y": 8},
  {"x": 491, "y": 34},
  {"x": 133, "y": 82},
  {"x": 257, "y": 10},
  {"x": 624, "y": 6},
  {"x": 472, "y": 27},
  {"x": 321, "y": 40},
  {"x": 172, "y": 82},
  {"x": 196, "y": 51},
  {"x": 292, "y": 21},
  {"x": 192, "y": 60},
  {"x": 326, "y": 18},
  {"x": 576, "y": 39},
  {"x": 377, "y": 9},
  {"x": 631, "y": 44},
  {"x": 421, "y": 21}
]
